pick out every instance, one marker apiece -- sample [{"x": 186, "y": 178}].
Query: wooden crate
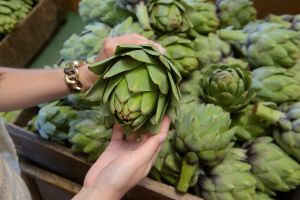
[
  {"x": 19, "y": 47},
  {"x": 61, "y": 161}
]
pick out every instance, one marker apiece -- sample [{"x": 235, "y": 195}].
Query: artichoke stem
[
  {"x": 186, "y": 176},
  {"x": 233, "y": 36},
  {"x": 142, "y": 15},
  {"x": 267, "y": 113}
]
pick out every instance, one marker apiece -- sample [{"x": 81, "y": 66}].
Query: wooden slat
[
  {"x": 49, "y": 155},
  {"x": 49, "y": 178}
]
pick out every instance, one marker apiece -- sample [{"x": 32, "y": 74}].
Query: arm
[{"x": 21, "y": 88}]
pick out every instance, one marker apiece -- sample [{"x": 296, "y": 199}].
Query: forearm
[{"x": 21, "y": 88}]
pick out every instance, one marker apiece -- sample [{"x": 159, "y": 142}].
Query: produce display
[
  {"x": 229, "y": 81},
  {"x": 12, "y": 12}
]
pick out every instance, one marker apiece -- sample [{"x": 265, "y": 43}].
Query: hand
[
  {"x": 109, "y": 46},
  {"x": 123, "y": 164}
]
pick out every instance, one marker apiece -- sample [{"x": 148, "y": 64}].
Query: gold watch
[{"x": 72, "y": 75}]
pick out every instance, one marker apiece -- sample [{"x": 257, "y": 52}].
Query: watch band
[{"x": 72, "y": 76}]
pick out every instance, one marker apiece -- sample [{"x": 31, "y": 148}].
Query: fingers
[
  {"x": 117, "y": 133},
  {"x": 147, "y": 150}
]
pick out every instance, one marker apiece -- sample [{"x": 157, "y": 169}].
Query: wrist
[
  {"x": 86, "y": 77},
  {"x": 91, "y": 193}
]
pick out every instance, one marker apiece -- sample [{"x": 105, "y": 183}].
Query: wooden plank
[
  {"x": 278, "y": 7},
  {"x": 149, "y": 189},
  {"x": 49, "y": 155},
  {"x": 44, "y": 178},
  {"x": 19, "y": 47}
]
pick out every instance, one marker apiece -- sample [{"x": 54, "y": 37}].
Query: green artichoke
[
  {"x": 283, "y": 20},
  {"x": 228, "y": 86},
  {"x": 11, "y": 13},
  {"x": 9, "y": 117},
  {"x": 87, "y": 44},
  {"x": 295, "y": 70},
  {"x": 182, "y": 53},
  {"x": 262, "y": 196},
  {"x": 52, "y": 121},
  {"x": 78, "y": 101},
  {"x": 106, "y": 11},
  {"x": 286, "y": 121},
  {"x": 211, "y": 49},
  {"x": 139, "y": 8},
  {"x": 275, "y": 84},
  {"x": 167, "y": 16},
  {"x": 202, "y": 136},
  {"x": 288, "y": 21},
  {"x": 296, "y": 23},
  {"x": 167, "y": 166},
  {"x": 192, "y": 86},
  {"x": 249, "y": 126},
  {"x": 265, "y": 44},
  {"x": 89, "y": 135},
  {"x": 235, "y": 13},
  {"x": 139, "y": 85},
  {"x": 273, "y": 168},
  {"x": 243, "y": 63},
  {"x": 201, "y": 15},
  {"x": 128, "y": 26},
  {"x": 230, "y": 180}
]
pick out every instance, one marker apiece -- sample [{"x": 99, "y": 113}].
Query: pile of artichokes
[
  {"x": 12, "y": 12},
  {"x": 229, "y": 81}
]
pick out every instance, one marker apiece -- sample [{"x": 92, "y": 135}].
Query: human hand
[
  {"x": 123, "y": 164},
  {"x": 110, "y": 44}
]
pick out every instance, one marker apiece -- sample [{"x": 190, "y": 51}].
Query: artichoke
[
  {"x": 230, "y": 180},
  {"x": 78, "y": 101},
  {"x": 249, "y": 126},
  {"x": 262, "y": 196},
  {"x": 87, "y": 44},
  {"x": 202, "y": 136},
  {"x": 138, "y": 85},
  {"x": 228, "y": 86},
  {"x": 243, "y": 63},
  {"x": 296, "y": 23},
  {"x": 52, "y": 121},
  {"x": 275, "y": 84},
  {"x": 201, "y": 16},
  {"x": 128, "y": 26},
  {"x": 295, "y": 70},
  {"x": 283, "y": 20},
  {"x": 192, "y": 86},
  {"x": 182, "y": 53},
  {"x": 106, "y": 11},
  {"x": 139, "y": 8},
  {"x": 265, "y": 44},
  {"x": 286, "y": 121},
  {"x": 211, "y": 49},
  {"x": 288, "y": 21},
  {"x": 274, "y": 169},
  {"x": 167, "y": 16},
  {"x": 89, "y": 135},
  {"x": 167, "y": 166},
  {"x": 11, "y": 13},
  {"x": 235, "y": 13}
]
